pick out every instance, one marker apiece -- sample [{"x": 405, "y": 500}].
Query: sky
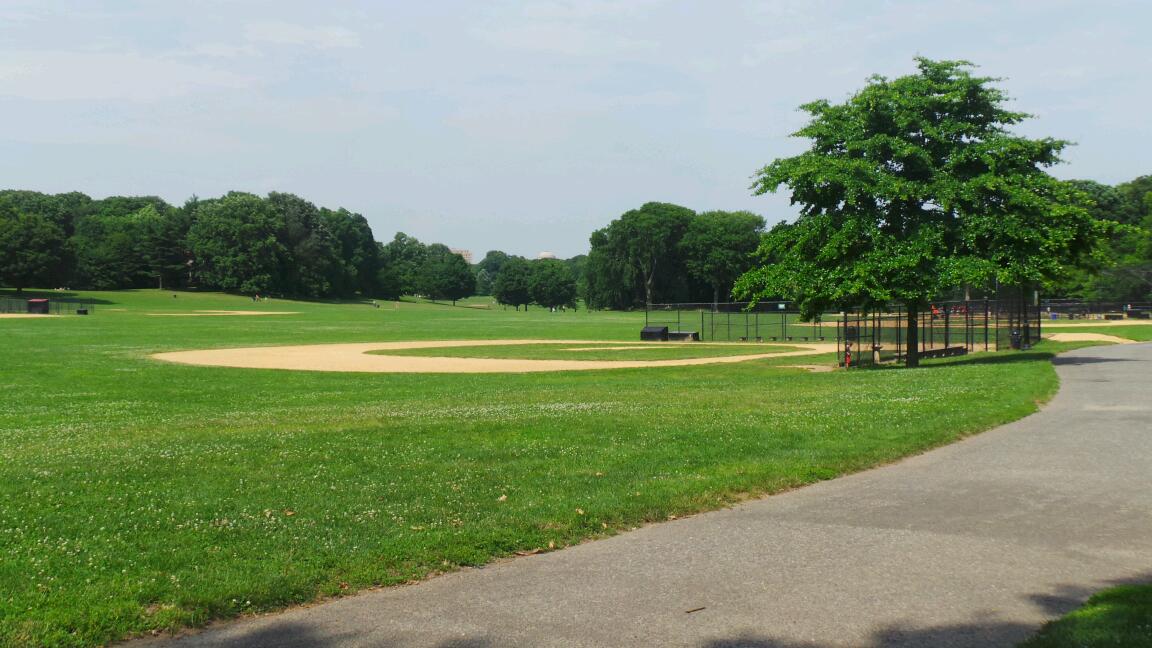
[{"x": 520, "y": 126}]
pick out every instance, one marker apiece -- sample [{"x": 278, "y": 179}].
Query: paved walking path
[{"x": 975, "y": 544}]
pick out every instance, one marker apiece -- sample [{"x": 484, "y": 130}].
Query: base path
[
  {"x": 360, "y": 357},
  {"x": 974, "y": 544}
]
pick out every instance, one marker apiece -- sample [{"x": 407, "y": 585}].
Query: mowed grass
[
  {"x": 1120, "y": 617},
  {"x": 138, "y": 495},
  {"x": 629, "y": 351}
]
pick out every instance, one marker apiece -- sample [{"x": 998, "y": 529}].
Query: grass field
[
  {"x": 1120, "y": 617},
  {"x": 137, "y": 495}
]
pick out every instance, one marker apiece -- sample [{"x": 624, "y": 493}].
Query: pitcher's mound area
[{"x": 359, "y": 358}]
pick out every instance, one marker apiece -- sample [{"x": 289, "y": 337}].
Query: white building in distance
[
  {"x": 545, "y": 255},
  {"x": 467, "y": 254}
]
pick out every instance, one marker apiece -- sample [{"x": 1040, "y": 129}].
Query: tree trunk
[
  {"x": 912, "y": 354},
  {"x": 715, "y": 295}
]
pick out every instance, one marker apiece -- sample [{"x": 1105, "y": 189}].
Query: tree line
[
  {"x": 281, "y": 244},
  {"x": 277, "y": 244},
  {"x": 658, "y": 253}
]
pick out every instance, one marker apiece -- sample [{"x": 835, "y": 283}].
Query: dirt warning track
[{"x": 358, "y": 357}]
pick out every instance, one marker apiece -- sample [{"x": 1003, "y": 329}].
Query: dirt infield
[
  {"x": 357, "y": 358},
  {"x": 1087, "y": 337},
  {"x": 1047, "y": 324},
  {"x": 223, "y": 313},
  {"x": 22, "y": 315}
]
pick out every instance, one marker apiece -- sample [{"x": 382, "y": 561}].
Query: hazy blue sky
[{"x": 519, "y": 126}]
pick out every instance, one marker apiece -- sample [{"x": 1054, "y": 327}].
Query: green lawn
[
  {"x": 139, "y": 495},
  {"x": 1120, "y": 617}
]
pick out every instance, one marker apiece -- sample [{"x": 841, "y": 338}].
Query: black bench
[{"x": 654, "y": 334}]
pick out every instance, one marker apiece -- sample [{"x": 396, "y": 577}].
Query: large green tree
[
  {"x": 718, "y": 246},
  {"x": 636, "y": 259},
  {"x": 30, "y": 246},
  {"x": 551, "y": 284},
  {"x": 358, "y": 259},
  {"x": 235, "y": 246},
  {"x": 445, "y": 275},
  {"x": 401, "y": 260},
  {"x": 512, "y": 285},
  {"x": 913, "y": 186}
]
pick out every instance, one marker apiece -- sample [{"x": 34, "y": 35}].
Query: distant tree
[
  {"x": 717, "y": 247},
  {"x": 578, "y": 266},
  {"x": 63, "y": 211},
  {"x": 488, "y": 269},
  {"x": 914, "y": 186},
  {"x": 129, "y": 242},
  {"x": 358, "y": 262},
  {"x": 483, "y": 281},
  {"x": 652, "y": 234},
  {"x": 445, "y": 275},
  {"x": 235, "y": 246},
  {"x": 609, "y": 282},
  {"x": 401, "y": 259},
  {"x": 1121, "y": 268},
  {"x": 311, "y": 262},
  {"x": 30, "y": 246},
  {"x": 493, "y": 261},
  {"x": 1137, "y": 194},
  {"x": 110, "y": 251},
  {"x": 512, "y": 284},
  {"x": 636, "y": 258},
  {"x": 551, "y": 284}
]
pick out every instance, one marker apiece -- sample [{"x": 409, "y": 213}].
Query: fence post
[{"x": 947, "y": 326}]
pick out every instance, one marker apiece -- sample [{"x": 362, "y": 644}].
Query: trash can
[
  {"x": 1016, "y": 339},
  {"x": 38, "y": 306}
]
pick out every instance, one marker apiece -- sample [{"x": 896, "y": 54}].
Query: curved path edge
[{"x": 973, "y": 544}]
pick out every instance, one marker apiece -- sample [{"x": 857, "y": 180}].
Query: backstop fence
[
  {"x": 942, "y": 330},
  {"x": 45, "y": 306},
  {"x": 862, "y": 337},
  {"x": 740, "y": 322}
]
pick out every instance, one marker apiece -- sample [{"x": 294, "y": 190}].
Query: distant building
[
  {"x": 467, "y": 254},
  {"x": 545, "y": 255}
]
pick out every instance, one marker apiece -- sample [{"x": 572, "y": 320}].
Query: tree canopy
[
  {"x": 551, "y": 284},
  {"x": 444, "y": 275},
  {"x": 914, "y": 186},
  {"x": 511, "y": 286},
  {"x": 30, "y": 245},
  {"x": 718, "y": 246}
]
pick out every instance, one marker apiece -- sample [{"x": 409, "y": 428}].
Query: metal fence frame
[
  {"x": 740, "y": 321},
  {"x": 56, "y": 305},
  {"x": 877, "y": 335}
]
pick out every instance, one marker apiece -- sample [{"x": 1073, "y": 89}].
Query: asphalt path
[{"x": 974, "y": 544}]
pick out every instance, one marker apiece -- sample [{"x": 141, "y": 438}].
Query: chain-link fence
[
  {"x": 45, "y": 306},
  {"x": 1012, "y": 321}
]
